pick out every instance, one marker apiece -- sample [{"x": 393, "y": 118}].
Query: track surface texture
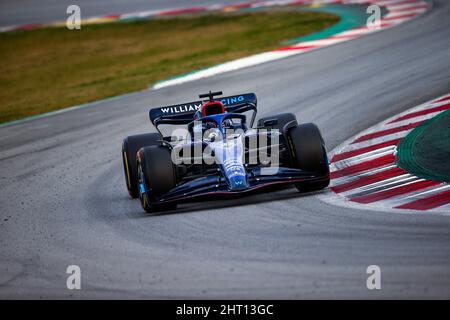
[
  {"x": 63, "y": 199},
  {"x": 14, "y": 12}
]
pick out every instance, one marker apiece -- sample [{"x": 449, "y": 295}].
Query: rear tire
[
  {"x": 309, "y": 154},
  {"x": 130, "y": 147},
  {"x": 156, "y": 176}
]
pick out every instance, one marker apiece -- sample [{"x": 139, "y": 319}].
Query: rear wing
[{"x": 184, "y": 113}]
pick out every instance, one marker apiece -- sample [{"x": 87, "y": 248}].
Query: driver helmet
[{"x": 210, "y": 108}]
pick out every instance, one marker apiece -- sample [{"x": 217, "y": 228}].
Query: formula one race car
[{"x": 218, "y": 153}]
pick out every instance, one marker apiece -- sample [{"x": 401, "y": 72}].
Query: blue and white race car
[{"x": 215, "y": 151}]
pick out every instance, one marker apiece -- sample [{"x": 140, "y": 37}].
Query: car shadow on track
[{"x": 278, "y": 194}]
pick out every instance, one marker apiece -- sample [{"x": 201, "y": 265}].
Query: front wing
[{"x": 215, "y": 185}]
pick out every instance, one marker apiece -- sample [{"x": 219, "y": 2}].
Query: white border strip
[{"x": 257, "y": 59}]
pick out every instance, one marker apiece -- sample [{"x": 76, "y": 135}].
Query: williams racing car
[{"x": 215, "y": 151}]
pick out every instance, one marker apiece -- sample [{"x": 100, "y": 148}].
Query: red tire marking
[
  {"x": 181, "y": 11},
  {"x": 422, "y": 112},
  {"x": 363, "y": 166},
  {"x": 428, "y": 203},
  {"x": 289, "y": 48},
  {"x": 366, "y": 180},
  {"x": 382, "y": 25},
  {"x": 442, "y": 99},
  {"x": 410, "y": 15},
  {"x": 299, "y": 2},
  {"x": 386, "y": 194},
  {"x": 400, "y": 3},
  {"x": 419, "y": 6},
  {"x": 381, "y": 133},
  {"x": 29, "y": 27},
  {"x": 353, "y": 153},
  {"x": 112, "y": 16},
  {"x": 239, "y": 5}
]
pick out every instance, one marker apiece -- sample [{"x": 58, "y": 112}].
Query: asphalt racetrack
[
  {"x": 13, "y": 12},
  {"x": 63, "y": 198}
]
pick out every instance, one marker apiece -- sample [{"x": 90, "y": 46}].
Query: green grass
[
  {"x": 425, "y": 150},
  {"x": 49, "y": 69}
]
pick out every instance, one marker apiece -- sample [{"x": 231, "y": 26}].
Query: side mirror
[{"x": 270, "y": 122}]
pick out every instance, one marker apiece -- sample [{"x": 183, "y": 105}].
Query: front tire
[
  {"x": 130, "y": 147},
  {"x": 156, "y": 176},
  {"x": 308, "y": 153}
]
